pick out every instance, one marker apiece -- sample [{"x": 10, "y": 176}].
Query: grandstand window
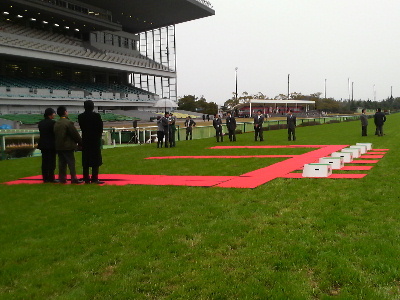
[
  {"x": 126, "y": 43},
  {"x": 15, "y": 69}
]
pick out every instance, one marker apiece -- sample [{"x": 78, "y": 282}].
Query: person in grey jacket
[
  {"x": 364, "y": 123},
  {"x": 67, "y": 141}
]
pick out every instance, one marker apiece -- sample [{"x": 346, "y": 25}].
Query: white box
[
  {"x": 356, "y": 151},
  {"x": 363, "y": 148},
  {"x": 336, "y": 162},
  {"x": 369, "y": 145},
  {"x": 347, "y": 156},
  {"x": 317, "y": 170}
]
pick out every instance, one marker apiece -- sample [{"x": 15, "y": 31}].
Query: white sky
[{"x": 312, "y": 40}]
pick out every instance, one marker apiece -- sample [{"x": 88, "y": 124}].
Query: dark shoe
[
  {"x": 77, "y": 181},
  {"x": 98, "y": 182},
  {"x": 62, "y": 181}
]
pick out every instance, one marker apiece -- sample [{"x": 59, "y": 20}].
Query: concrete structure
[{"x": 61, "y": 52}]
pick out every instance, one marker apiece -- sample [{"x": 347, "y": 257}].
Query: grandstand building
[{"x": 120, "y": 53}]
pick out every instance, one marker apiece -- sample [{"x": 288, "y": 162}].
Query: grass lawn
[{"x": 287, "y": 239}]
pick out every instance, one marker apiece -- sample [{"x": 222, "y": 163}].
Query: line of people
[
  {"x": 258, "y": 122},
  {"x": 61, "y": 138},
  {"x": 379, "y": 121}
]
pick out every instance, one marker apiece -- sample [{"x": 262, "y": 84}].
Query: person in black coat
[
  {"x": 231, "y": 125},
  {"x": 217, "y": 123},
  {"x": 92, "y": 129},
  {"x": 291, "y": 126},
  {"x": 47, "y": 145},
  {"x": 379, "y": 119},
  {"x": 258, "y": 124}
]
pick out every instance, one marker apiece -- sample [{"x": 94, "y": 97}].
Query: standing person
[
  {"x": 217, "y": 123},
  {"x": 67, "y": 139},
  {"x": 364, "y": 123},
  {"x": 165, "y": 124},
  {"x": 160, "y": 132},
  {"x": 231, "y": 125},
  {"x": 172, "y": 129},
  {"x": 258, "y": 124},
  {"x": 291, "y": 126},
  {"x": 379, "y": 120},
  {"x": 208, "y": 118},
  {"x": 189, "y": 124},
  {"x": 204, "y": 118},
  {"x": 47, "y": 145},
  {"x": 91, "y": 126}
]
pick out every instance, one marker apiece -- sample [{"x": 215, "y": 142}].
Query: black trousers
[
  {"x": 379, "y": 130},
  {"x": 218, "y": 134},
  {"x": 258, "y": 132},
  {"x": 86, "y": 174},
  {"x": 232, "y": 135},
  {"x": 48, "y": 164},
  {"x": 291, "y": 133},
  {"x": 189, "y": 132},
  {"x": 364, "y": 130},
  {"x": 160, "y": 137},
  {"x": 66, "y": 158}
]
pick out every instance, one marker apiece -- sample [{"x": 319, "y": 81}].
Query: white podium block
[
  {"x": 317, "y": 170},
  {"x": 356, "y": 152},
  {"x": 347, "y": 156},
  {"x": 336, "y": 162},
  {"x": 363, "y": 148},
  {"x": 369, "y": 145}
]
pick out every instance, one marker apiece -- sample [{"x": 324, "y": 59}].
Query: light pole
[
  {"x": 288, "y": 86},
  {"x": 352, "y": 95},
  {"x": 325, "y": 88},
  {"x": 236, "y": 85}
]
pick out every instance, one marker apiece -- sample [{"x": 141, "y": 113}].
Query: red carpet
[{"x": 251, "y": 179}]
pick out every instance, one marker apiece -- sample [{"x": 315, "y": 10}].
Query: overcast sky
[{"x": 312, "y": 40}]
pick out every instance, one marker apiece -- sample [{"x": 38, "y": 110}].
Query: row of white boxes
[{"x": 336, "y": 161}]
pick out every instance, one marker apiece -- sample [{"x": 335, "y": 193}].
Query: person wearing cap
[
  {"x": 47, "y": 146},
  {"x": 67, "y": 141},
  {"x": 217, "y": 124},
  {"x": 91, "y": 126}
]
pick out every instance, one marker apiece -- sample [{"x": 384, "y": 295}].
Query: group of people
[
  {"x": 258, "y": 127},
  {"x": 166, "y": 130},
  {"x": 61, "y": 138},
  {"x": 379, "y": 120}
]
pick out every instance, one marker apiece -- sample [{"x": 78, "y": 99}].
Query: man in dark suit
[
  {"x": 47, "y": 145},
  {"x": 364, "y": 123},
  {"x": 231, "y": 125},
  {"x": 291, "y": 126},
  {"x": 165, "y": 124},
  {"x": 217, "y": 123},
  {"x": 258, "y": 124},
  {"x": 189, "y": 124},
  {"x": 379, "y": 119},
  {"x": 92, "y": 130}
]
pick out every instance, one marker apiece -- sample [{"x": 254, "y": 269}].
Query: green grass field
[{"x": 288, "y": 239}]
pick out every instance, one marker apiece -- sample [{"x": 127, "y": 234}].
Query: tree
[{"x": 187, "y": 102}]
